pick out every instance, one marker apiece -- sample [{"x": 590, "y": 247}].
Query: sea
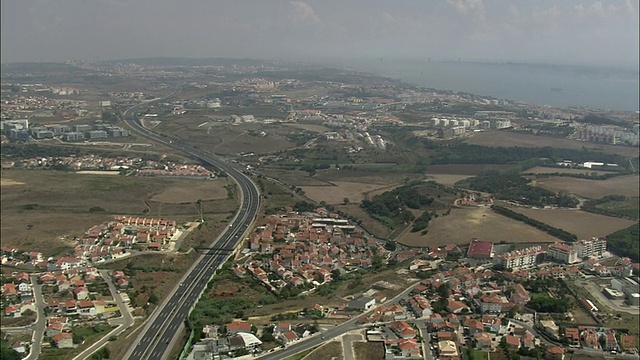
[{"x": 605, "y": 88}]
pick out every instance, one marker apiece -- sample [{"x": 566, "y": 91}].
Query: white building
[
  {"x": 520, "y": 258},
  {"x": 593, "y": 247},
  {"x": 563, "y": 253}
]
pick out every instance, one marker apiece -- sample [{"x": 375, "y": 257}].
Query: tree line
[{"x": 553, "y": 231}]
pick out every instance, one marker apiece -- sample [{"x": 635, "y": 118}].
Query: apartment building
[{"x": 563, "y": 253}]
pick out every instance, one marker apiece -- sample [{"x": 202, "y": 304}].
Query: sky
[{"x": 560, "y": 32}]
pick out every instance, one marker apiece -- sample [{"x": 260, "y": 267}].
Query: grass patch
[{"x": 473, "y": 354}]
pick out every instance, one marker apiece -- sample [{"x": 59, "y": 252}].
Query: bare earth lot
[
  {"x": 583, "y": 224},
  {"x": 49, "y": 208},
  {"x": 622, "y": 185},
  {"x": 508, "y": 139},
  {"x": 462, "y": 225}
]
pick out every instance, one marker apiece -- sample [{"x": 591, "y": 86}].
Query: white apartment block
[
  {"x": 593, "y": 247},
  {"x": 520, "y": 258},
  {"x": 563, "y": 253}
]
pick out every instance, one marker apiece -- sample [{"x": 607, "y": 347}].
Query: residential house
[
  {"x": 53, "y": 329},
  {"x": 63, "y": 340},
  {"x": 483, "y": 341},
  {"x": 513, "y": 342},
  {"x": 520, "y": 296},
  {"x": 238, "y": 326},
  {"x": 573, "y": 336},
  {"x": 629, "y": 343},
  {"x": 457, "y": 307},
  {"x": 403, "y": 329},
  {"x": 448, "y": 350},
  {"x": 81, "y": 293},
  {"x": 528, "y": 340},
  {"x": 288, "y": 337},
  {"x": 554, "y": 353},
  {"x": 610, "y": 342}
]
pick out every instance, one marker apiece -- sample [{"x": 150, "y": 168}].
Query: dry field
[
  {"x": 294, "y": 177},
  {"x": 622, "y": 185},
  {"x": 581, "y": 223},
  {"x": 373, "y": 226},
  {"x": 198, "y": 190},
  {"x": 228, "y": 139},
  {"x": 446, "y": 179},
  {"x": 508, "y": 139},
  {"x": 330, "y": 351},
  {"x": 551, "y": 170},
  {"x": 462, "y": 225},
  {"x": 368, "y": 350},
  {"x": 49, "y": 208},
  {"x": 335, "y": 194},
  {"x": 377, "y": 178}
]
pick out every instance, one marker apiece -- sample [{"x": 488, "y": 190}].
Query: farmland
[
  {"x": 551, "y": 170},
  {"x": 509, "y": 139},
  {"x": 462, "y": 225},
  {"x": 583, "y": 224},
  {"x": 622, "y": 185},
  {"x": 36, "y": 212}
]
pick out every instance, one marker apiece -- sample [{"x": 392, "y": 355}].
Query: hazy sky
[{"x": 564, "y": 31}]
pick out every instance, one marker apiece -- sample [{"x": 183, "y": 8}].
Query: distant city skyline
[{"x": 583, "y": 32}]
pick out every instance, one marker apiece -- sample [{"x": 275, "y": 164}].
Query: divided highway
[{"x": 162, "y": 327}]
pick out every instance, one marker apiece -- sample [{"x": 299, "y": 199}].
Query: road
[
  {"x": 596, "y": 292},
  {"x": 347, "y": 345},
  {"x": 585, "y": 351},
  {"x": 331, "y": 333},
  {"x": 162, "y": 327},
  {"x": 39, "y": 326},
  {"x": 125, "y": 320}
]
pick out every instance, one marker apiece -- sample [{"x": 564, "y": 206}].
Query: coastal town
[{"x": 322, "y": 261}]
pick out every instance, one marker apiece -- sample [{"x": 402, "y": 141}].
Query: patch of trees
[
  {"x": 219, "y": 311},
  {"x": 553, "y": 231},
  {"x": 304, "y": 206},
  {"x": 7, "y": 352},
  {"x": 421, "y": 222},
  {"x": 593, "y": 206},
  {"x": 548, "y": 304},
  {"x": 312, "y": 168},
  {"x": 391, "y": 206},
  {"x": 110, "y": 117},
  {"x": 461, "y": 153},
  {"x": 625, "y": 242},
  {"x": 511, "y": 186},
  {"x": 597, "y": 120}
]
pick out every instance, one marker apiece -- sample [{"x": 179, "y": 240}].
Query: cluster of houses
[
  {"x": 294, "y": 249},
  {"x": 17, "y": 294},
  {"x": 138, "y": 166},
  {"x": 109, "y": 240},
  {"x": 241, "y": 337},
  {"x": 66, "y": 296},
  {"x": 588, "y": 337}
]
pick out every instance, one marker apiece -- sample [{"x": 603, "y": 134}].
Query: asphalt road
[
  {"x": 162, "y": 327},
  {"x": 331, "y": 333},
  {"x": 347, "y": 343},
  {"x": 39, "y": 326},
  {"x": 125, "y": 320}
]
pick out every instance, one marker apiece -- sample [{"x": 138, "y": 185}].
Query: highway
[{"x": 161, "y": 328}]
